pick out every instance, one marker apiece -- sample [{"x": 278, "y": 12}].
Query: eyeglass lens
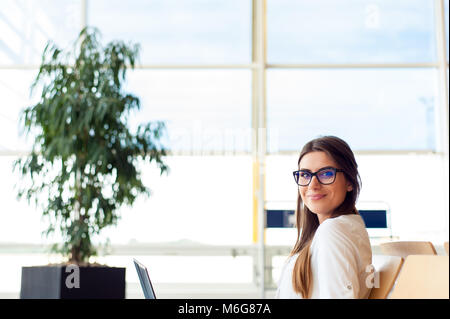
[{"x": 325, "y": 176}]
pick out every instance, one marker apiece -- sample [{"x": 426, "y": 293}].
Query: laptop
[{"x": 144, "y": 278}]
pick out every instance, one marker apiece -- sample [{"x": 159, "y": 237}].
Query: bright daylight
[{"x": 224, "y": 149}]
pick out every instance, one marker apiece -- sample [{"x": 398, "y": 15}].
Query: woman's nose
[{"x": 314, "y": 182}]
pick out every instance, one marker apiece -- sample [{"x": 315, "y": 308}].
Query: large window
[
  {"x": 372, "y": 109},
  {"x": 210, "y": 111},
  {"x": 179, "y": 32},
  {"x": 369, "y": 72},
  {"x": 351, "y": 31},
  {"x": 26, "y": 26},
  {"x": 365, "y": 71},
  {"x": 207, "y": 109}
]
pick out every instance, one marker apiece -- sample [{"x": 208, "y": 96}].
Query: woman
[{"x": 332, "y": 256}]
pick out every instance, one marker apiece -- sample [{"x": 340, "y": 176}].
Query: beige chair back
[
  {"x": 446, "y": 247},
  {"x": 387, "y": 269},
  {"x": 406, "y": 248},
  {"x": 423, "y": 277}
]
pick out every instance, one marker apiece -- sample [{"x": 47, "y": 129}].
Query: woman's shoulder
[
  {"x": 343, "y": 223},
  {"x": 341, "y": 227}
]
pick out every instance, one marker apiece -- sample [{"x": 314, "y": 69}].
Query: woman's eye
[
  {"x": 304, "y": 175},
  {"x": 329, "y": 173}
]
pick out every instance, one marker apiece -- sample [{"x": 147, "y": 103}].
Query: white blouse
[{"x": 341, "y": 259}]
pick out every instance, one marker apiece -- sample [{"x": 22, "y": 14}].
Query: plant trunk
[
  {"x": 75, "y": 255},
  {"x": 76, "y": 247}
]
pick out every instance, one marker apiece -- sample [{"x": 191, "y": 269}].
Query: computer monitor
[{"x": 376, "y": 216}]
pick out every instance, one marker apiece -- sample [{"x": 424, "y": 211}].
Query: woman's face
[{"x": 322, "y": 199}]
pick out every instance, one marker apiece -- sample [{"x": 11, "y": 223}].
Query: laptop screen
[{"x": 144, "y": 278}]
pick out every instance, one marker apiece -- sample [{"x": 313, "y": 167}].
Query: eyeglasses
[{"x": 325, "y": 176}]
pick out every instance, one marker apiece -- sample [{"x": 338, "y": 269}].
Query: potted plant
[{"x": 84, "y": 161}]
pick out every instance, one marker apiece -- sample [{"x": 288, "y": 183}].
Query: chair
[
  {"x": 446, "y": 247},
  {"x": 387, "y": 269},
  {"x": 423, "y": 277},
  {"x": 406, "y": 248}
]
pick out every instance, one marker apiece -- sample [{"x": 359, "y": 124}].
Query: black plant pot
[{"x": 71, "y": 282}]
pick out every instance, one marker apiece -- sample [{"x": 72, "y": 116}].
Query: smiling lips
[{"x": 316, "y": 197}]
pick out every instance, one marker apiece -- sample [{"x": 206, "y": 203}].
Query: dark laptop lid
[{"x": 144, "y": 278}]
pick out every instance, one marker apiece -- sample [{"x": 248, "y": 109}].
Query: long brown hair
[{"x": 307, "y": 222}]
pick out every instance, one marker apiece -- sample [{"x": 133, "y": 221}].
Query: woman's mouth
[{"x": 316, "y": 197}]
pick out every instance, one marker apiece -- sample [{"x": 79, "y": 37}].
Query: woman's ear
[{"x": 349, "y": 187}]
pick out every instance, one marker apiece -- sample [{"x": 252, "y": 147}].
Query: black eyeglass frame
[{"x": 336, "y": 170}]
